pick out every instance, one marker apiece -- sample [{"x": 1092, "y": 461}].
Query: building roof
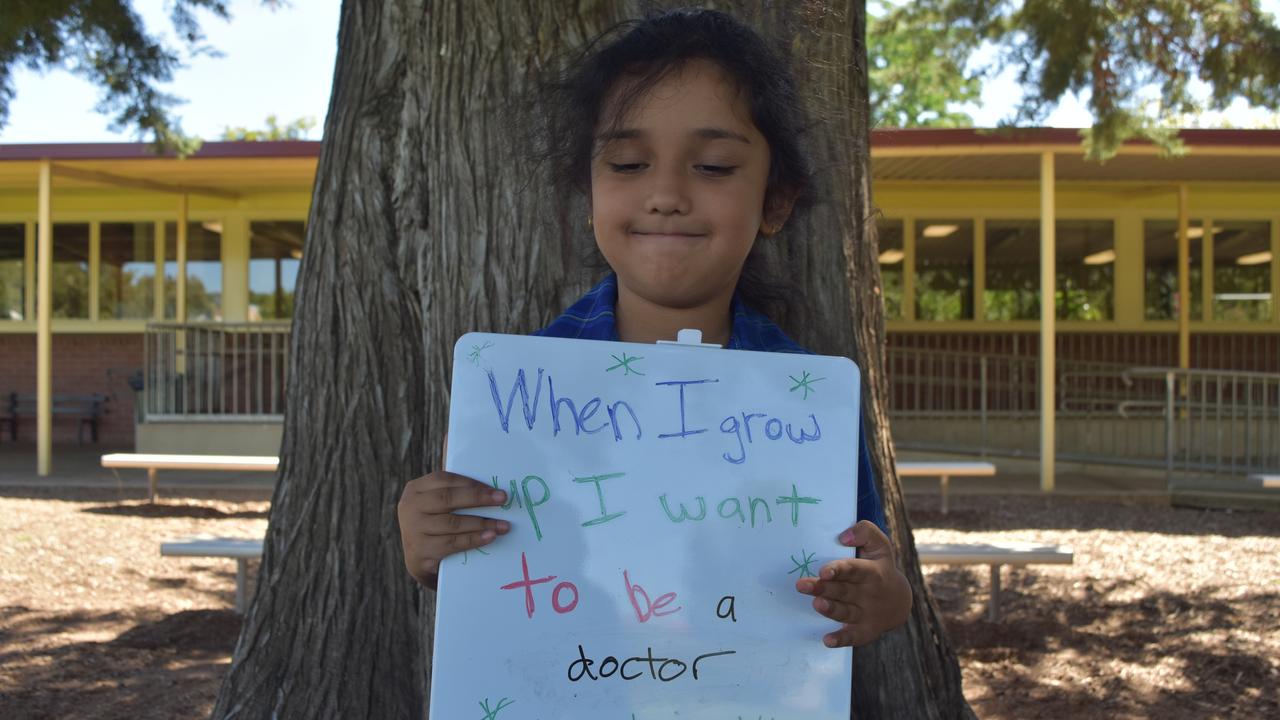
[{"x": 927, "y": 154}]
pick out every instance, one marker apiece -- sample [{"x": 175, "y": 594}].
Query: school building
[{"x": 170, "y": 285}]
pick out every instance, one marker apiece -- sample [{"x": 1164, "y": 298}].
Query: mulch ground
[{"x": 1168, "y": 613}]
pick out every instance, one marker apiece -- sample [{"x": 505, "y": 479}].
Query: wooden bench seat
[
  {"x": 242, "y": 550},
  {"x": 155, "y": 462},
  {"x": 944, "y": 471},
  {"x": 994, "y": 555},
  {"x": 1266, "y": 481},
  {"x": 86, "y": 409}
]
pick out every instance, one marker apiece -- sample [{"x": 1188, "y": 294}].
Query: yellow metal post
[
  {"x": 1184, "y": 280},
  {"x": 44, "y": 321},
  {"x": 1048, "y": 319},
  {"x": 181, "y": 315}
]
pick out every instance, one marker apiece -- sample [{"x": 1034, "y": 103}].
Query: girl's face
[{"x": 678, "y": 189}]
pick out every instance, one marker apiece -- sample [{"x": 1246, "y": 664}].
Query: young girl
[{"x": 684, "y": 132}]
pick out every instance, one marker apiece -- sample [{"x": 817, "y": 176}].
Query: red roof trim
[
  {"x": 145, "y": 151},
  {"x": 918, "y": 137}
]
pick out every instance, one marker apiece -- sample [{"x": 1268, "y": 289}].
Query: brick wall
[{"x": 82, "y": 364}]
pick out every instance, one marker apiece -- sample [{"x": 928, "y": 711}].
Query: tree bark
[
  {"x": 911, "y": 672},
  {"x": 426, "y": 222}
]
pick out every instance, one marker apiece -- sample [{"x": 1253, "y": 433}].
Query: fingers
[
  {"x": 444, "y": 492},
  {"x": 869, "y": 539},
  {"x": 452, "y": 524}
]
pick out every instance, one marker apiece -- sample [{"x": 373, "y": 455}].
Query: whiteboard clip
[{"x": 689, "y": 337}]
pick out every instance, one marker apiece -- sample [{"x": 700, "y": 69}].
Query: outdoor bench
[
  {"x": 241, "y": 549},
  {"x": 1269, "y": 482},
  {"x": 152, "y": 463},
  {"x": 86, "y": 408},
  {"x": 945, "y": 471},
  {"x": 994, "y": 555}
]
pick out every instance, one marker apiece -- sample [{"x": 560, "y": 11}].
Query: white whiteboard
[{"x": 605, "y": 500}]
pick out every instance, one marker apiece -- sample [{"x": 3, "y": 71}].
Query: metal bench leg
[
  {"x": 242, "y": 578},
  {"x": 151, "y": 484},
  {"x": 993, "y": 610},
  {"x": 946, "y": 483}
]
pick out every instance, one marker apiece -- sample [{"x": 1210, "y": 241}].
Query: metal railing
[
  {"x": 1218, "y": 422},
  {"x": 214, "y": 371},
  {"x": 1215, "y": 423}
]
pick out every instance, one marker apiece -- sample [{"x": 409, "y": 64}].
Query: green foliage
[
  {"x": 917, "y": 58},
  {"x": 296, "y": 130},
  {"x": 106, "y": 42},
  {"x": 1114, "y": 50}
]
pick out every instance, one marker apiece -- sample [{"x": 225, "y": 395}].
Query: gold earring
[{"x": 588, "y": 221}]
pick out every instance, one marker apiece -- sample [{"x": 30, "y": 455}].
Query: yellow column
[
  {"x": 1184, "y": 281},
  {"x": 1275, "y": 270},
  {"x": 181, "y": 313},
  {"x": 29, "y": 274},
  {"x": 44, "y": 321},
  {"x": 1048, "y": 320},
  {"x": 157, "y": 286},
  {"x": 95, "y": 265},
  {"x": 979, "y": 269},
  {"x": 909, "y": 269}
]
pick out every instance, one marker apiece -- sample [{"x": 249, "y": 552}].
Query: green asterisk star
[
  {"x": 804, "y": 382},
  {"x": 476, "y": 351},
  {"x": 492, "y": 714},
  {"x": 803, "y": 565},
  {"x": 624, "y": 362}
]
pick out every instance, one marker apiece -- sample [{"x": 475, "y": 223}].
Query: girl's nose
[{"x": 667, "y": 195}]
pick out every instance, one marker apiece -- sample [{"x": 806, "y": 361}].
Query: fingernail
[
  {"x": 821, "y": 604},
  {"x": 488, "y": 535},
  {"x": 498, "y": 496},
  {"x": 829, "y": 641},
  {"x": 846, "y": 537},
  {"x": 828, "y": 573},
  {"x": 503, "y": 526}
]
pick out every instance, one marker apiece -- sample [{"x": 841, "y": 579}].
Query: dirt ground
[{"x": 1167, "y": 613}]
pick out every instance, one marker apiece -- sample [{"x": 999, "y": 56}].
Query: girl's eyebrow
[{"x": 708, "y": 133}]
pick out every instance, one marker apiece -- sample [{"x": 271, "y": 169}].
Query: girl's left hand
[{"x": 868, "y": 594}]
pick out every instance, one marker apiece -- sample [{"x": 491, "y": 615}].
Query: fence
[
  {"x": 215, "y": 371},
  {"x": 1215, "y": 423}
]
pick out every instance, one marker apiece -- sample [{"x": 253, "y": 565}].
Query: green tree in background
[
  {"x": 107, "y": 43},
  {"x": 296, "y": 130},
  {"x": 1138, "y": 63},
  {"x": 917, "y": 64}
]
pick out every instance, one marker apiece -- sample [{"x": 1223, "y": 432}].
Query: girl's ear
[{"x": 777, "y": 209}]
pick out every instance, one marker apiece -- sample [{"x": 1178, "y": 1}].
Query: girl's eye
[
  {"x": 626, "y": 167},
  {"x": 715, "y": 170}
]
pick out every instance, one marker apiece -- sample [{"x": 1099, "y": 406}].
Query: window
[
  {"x": 1242, "y": 271},
  {"x": 126, "y": 270},
  {"x": 204, "y": 270},
  {"x": 891, "y": 249},
  {"x": 71, "y": 270},
  {"x": 1085, "y": 276},
  {"x": 1086, "y": 260},
  {"x": 13, "y": 271},
  {"x": 1013, "y": 270},
  {"x": 275, "y": 252},
  {"x": 944, "y": 269},
  {"x": 1160, "y": 263}
]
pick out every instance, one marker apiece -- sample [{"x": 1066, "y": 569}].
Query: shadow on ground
[
  {"x": 1054, "y": 627},
  {"x": 156, "y": 666},
  {"x": 174, "y": 509},
  {"x": 993, "y": 513}
]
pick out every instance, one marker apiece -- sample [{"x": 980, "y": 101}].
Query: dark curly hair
[{"x": 645, "y": 51}]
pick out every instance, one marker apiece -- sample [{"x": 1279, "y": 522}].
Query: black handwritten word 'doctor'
[{"x": 635, "y": 668}]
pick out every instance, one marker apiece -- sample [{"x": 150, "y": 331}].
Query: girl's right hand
[{"x": 430, "y": 530}]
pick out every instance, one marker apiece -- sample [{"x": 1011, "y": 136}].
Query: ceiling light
[
  {"x": 296, "y": 253},
  {"x": 940, "y": 231},
  {"x": 213, "y": 227},
  {"x": 1100, "y": 258},
  {"x": 1197, "y": 232},
  {"x": 1259, "y": 258},
  {"x": 889, "y": 257}
]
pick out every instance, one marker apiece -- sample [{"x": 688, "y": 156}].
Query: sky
[{"x": 281, "y": 63}]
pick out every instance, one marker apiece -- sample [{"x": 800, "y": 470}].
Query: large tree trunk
[{"x": 427, "y": 223}]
